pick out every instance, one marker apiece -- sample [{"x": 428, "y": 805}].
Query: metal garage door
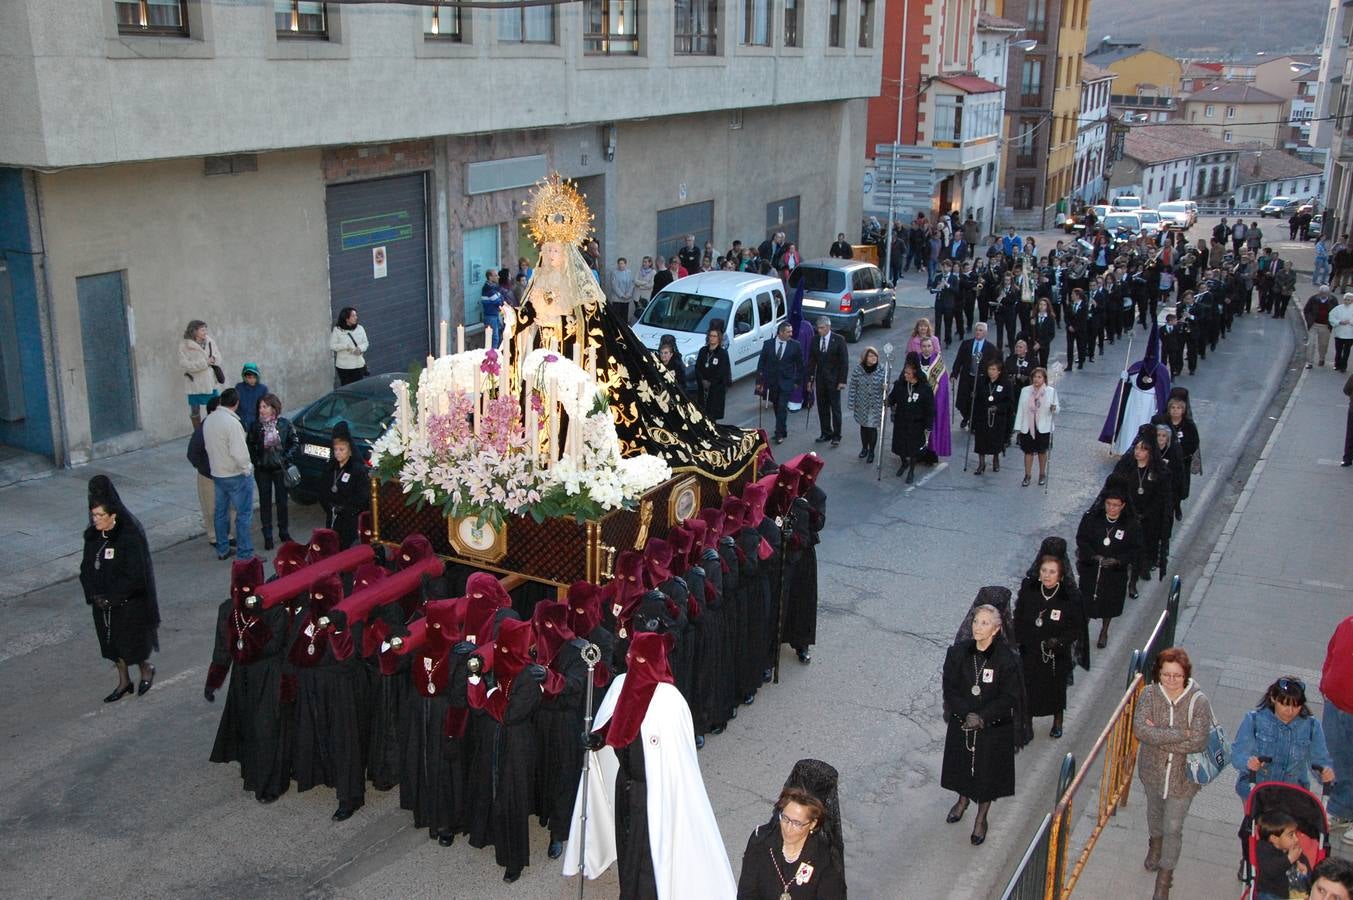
[
  {"x": 107, "y": 355},
  {"x": 378, "y": 263}
]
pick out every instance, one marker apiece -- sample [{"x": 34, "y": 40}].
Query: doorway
[{"x": 109, "y": 386}]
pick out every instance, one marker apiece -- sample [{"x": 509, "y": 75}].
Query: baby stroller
[{"x": 1305, "y": 807}]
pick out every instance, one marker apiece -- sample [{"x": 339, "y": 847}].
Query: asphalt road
[{"x": 120, "y": 799}]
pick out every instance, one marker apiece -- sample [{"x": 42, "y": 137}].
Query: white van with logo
[{"x": 746, "y": 306}]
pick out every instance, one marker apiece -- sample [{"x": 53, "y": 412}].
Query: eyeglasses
[
  {"x": 1171, "y": 676},
  {"x": 793, "y": 823},
  {"x": 1288, "y": 684}
]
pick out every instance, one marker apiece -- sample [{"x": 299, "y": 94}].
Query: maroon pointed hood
[
  {"x": 246, "y": 575},
  {"x": 647, "y": 667},
  {"x": 657, "y": 562},
  {"x": 755, "y": 496},
  {"x": 290, "y": 557},
  {"x": 414, "y": 548},
  {"x": 324, "y": 542},
  {"x": 549, "y": 623},
  {"x": 584, "y": 608}
]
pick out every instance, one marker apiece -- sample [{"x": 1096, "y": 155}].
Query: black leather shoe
[
  {"x": 901, "y": 470},
  {"x": 870, "y": 458},
  {"x": 267, "y": 543},
  {"x": 767, "y": 675},
  {"x": 699, "y": 745},
  {"x": 226, "y": 555},
  {"x": 863, "y": 453},
  {"x": 447, "y": 838},
  {"x": 511, "y": 875},
  {"x": 956, "y": 811},
  {"x": 718, "y": 729},
  {"x": 749, "y": 700},
  {"x": 118, "y": 694},
  {"x": 344, "y": 812},
  {"x": 979, "y": 834},
  {"x": 266, "y": 799},
  {"x": 1132, "y": 591},
  {"x": 1056, "y": 732},
  {"x": 556, "y": 850},
  {"x": 146, "y": 683},
  {"x": 822, "y": 439},
  {"x": 805, "y": 657}
]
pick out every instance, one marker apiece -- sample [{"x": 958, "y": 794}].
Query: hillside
[{"x": 1217, "y": 28}]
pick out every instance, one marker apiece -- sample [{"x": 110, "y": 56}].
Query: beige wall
[
  {"x": 1276, "y": 77},
  {"x": 1195, "y": 113},
  {"x": 1147, "y": 67},
  {"x": 246, "y": 253}
]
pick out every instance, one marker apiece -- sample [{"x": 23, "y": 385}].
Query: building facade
[
  {"x": 1139, "y": 71},
  {"x": 1174, "y": 162},
  {"x": 943, "y": 93},
  {"x": 1262, "y": 175},
  {"x": 1042, "y": 108},
  {"x": 1237, "y": 112},
  {"x": 1092, "y": 133},
  {"x": 260, "y": 166}
]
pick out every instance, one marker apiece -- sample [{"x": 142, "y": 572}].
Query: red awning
[{"x": 971, "y": 84}]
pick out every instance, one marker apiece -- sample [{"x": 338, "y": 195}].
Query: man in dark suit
[
  {"x": 970, "y": 361},
  {"x": 772, "y": 248},
  {"x": 828, "y": 365},
  {"x": 779, "y": 370},
  {"x": 841, "y": 249}
]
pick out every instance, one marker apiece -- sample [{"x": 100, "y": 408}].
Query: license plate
[
  {"x": 316, "y": 450},
  {"x": 814, "y": 304}
]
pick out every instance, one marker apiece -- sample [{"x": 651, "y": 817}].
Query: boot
[
  {"x": 1164, "y": 880},
  {"x": 996, "y": 462},
  {"x": 1152, "y": 861},
  {"x": 1103, "y": 635},
  {"x": 267, "y": 540},
  {"x": 196, "y": 420},
  {"x": 869, "y": 460},
  {"x": 911, "y": 471}
]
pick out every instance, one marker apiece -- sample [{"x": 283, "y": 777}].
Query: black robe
[
  {"x": 345, "y": 493},
  {"x": 331, "y": 706},
  {"x": 116, "y": 567},
  {"x": 913, "y": 414},
  {"x": 1151, "y": 499},
  {"x": 515, "y": 757},
  {"x": 1186, "y": 439},
  {"x": 1037, "y": 622},
  {"x": 993, "y": 404},
  {"x": 809, "y": 518},
  {"x": 1102, "y": 569},
  {"x": 987, "y": 771},
  {"x": 389, "y": 695},
  {"x": 753, "y": 646},
  {"x": 713, "y": 665},
  {"x": 432, "y": 762},
  {"x": 713, "y": 376},
  {"x": 724, "y": 695},
  {"x": 634, "y": 856},
  {"x": 253, "y": 722},
  {"x": 559, "y": 729}
]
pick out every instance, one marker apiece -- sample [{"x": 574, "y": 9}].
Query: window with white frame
[
  {"x": 526, "y": 25},
  {"x": 162, "y": 17},
  {"x": 1230, "y": 112},
  {"x": 1208, "y": 110},
  {"x": 1226, "y": 136},
  {"x": 612, "y": 27}
]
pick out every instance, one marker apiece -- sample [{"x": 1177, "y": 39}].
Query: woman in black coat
[
  {"x": 272, "y": 444},
  {"x": 346, "y": 489},
  {"x": 1042, "y": 331},
  {"x": 713, "y": 375},
  {"x": 982, "y": 686},
  {"x": 1179, "y": 417},
  {"x": 1150, "y": 499},
  {"x": 993, "y": 406},
  {"x": 791, "y": 856},
  {"x": 913, "y": 405},
  {"x": 1048, "y": 620},
  {"x": 1108, "y": 542},
  {"x": 119, "y": 585}
]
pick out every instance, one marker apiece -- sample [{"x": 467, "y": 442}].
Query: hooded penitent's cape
[{"x": 1141, "y": 393}]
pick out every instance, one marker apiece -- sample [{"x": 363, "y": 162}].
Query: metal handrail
[{"x": 1030, "y": 881}]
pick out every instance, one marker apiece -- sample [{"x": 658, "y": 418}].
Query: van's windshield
[{"x": 680, "y": 311}]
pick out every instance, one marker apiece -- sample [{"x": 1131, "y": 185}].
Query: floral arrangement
[{"x": 460, "y": 441}]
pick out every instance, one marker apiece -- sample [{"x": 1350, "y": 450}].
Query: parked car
[
  {"x": 1315, "y": 227},
  {"x": 1280, "y": 207},
  {"x": 368, "y": 406},
  {"x": 1127, "y": 202},
  {"x": 689, "y": 307},
  {"x": 850, "y": 293},
  {"x": 1151, "y": 222},
  {"x": 1177, "y": 215}
]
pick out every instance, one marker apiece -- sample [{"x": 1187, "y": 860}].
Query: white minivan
[{"x": 746, "y": 306}]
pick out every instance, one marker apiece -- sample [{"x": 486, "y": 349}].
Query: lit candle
[
  {"x": 460, "y": 338},
  {"x": 441, "y": 346}
]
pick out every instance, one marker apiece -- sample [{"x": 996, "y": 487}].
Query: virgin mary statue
[{"x": 564, "y": 310}]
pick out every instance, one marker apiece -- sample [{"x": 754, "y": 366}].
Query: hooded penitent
[
  {"x": 808, "y": 466},
  {"x": 414, "y": 548},
  {"x": 584, "y": 608},
  {"x": 1139, "y": 397},
  {"x": 247, "y": 633},
  {"x": 657, "y": 562},
  {"x": 549, "y": 623},
  {"x": 102, "y": 492},
  {"x": 314, "y": 638},
  {"x": 324, "y": 543},
  {"x": 647, "y": 667},
  {"x": 290, "y": 557}
]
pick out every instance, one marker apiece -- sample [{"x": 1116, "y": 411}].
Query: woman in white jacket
[
  {"x": 203, "y": 371},
  {"x": 1341, "y": 327},
  {"x": 348, "y": 342},
  {"x": 1033, "y": 423}
]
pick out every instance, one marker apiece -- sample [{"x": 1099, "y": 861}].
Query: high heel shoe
[
  {"x": 995, "y": 464},
  {"x": 957, "y": 810},
  {"x": 1025, "y": 482},
  {"x": 979, "y": 833},
  {"x": 118, "y": 693},
  {"x": 145, "y": 684},
  {"x": 911, "y": 473},
  {"x": 981, "y": 467}
]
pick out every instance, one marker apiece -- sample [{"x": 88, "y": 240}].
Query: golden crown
[{"x": 557, "y": 212}]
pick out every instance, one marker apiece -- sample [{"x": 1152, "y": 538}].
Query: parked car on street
[
  {"x": 1280, "y": 207},
  {"x": 1127, "y": 202},
  {"x": 689, "y": 307},
  {"x": 368, "y": 406},
  {"x": 1151, "y": 222},
  {"x": 1122, "y": 224},
  {"x": 850, "y": 293},
  {"x": 1315, "y": 227}
]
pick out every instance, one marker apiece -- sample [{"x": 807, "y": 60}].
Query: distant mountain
[{"x": 1212, "y": 28}]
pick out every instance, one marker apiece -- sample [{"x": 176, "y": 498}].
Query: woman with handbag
[
  {"x": 202, "y": 368},
  {"x": 348, "y": 342},
  {"x": 1172, "y": 719},
  {"x": 272, "y": 446}
]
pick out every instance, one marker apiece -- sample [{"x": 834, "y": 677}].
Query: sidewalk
[
  {"x": 42, "y": 519},
  {"x": 1277, "y": 583}
]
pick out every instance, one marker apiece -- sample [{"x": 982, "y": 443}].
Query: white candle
[
  {"x": 478, "y": 400},
  {"x": 532, "y": 443},
  {"x": 441, "y": 346},
  {"x": 460, "y": 338},
  {"x": 552, "y": 422}
]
